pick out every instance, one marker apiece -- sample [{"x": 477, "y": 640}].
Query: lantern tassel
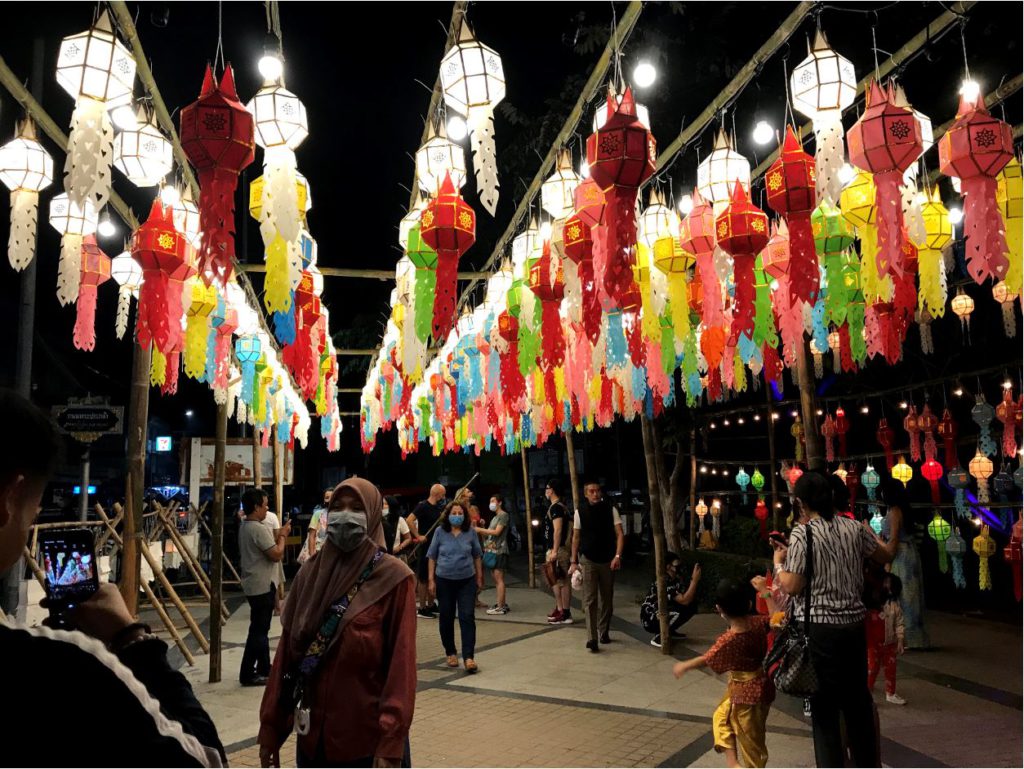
[
  {"x": 679, "y": 302},
  {"x": 124, "y": 303},
  {"x": 828, "y": 157},
  {"x": 90, "y": 154},
  {"x": 803, "y": 263},
  {"x": 959, "y": 580},
  {"x": 889, "y": 259},
  {"x": 481, "y": 142},
  {"x": 85, "y": 318},
  {"x": 591, "y": 301},
  {"x": 157, "y": 368},
  {"x": 277, "y": 288},
  {"x": 943, "y": 560},
  {"x": 170, "y": 385},
  {"x": 282, "y": 182},
  {"x": 552, "y": 339},
  {"x": 21, "y": 243},
  {"x": 425, "y": 283},
  {"x": 444, "y": 295},
  {"x": 931, "y": 293},
  {"x": 217, "y": 222},
  {"x": 743, "y": 307},
  {"x": 284, "y": 323},
  {"x": 983, "y": 227},
  {"x": 196, "y": 330},
  {"x": 69, "y": 269}
]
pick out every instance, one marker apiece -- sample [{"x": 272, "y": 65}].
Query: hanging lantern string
[
  {"x": 219, "y": 55},
  {"x": 874, "y": 47},
  {"x": 963, "y": 45}
]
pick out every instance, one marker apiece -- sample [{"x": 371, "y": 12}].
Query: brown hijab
[{"x": 331, "y": 573}]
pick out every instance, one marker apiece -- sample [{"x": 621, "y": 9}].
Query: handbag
[
  {"x": 490, "y": 559},
  {"x": 790, "y": 656},
  {"x": 295, "y": 681}
]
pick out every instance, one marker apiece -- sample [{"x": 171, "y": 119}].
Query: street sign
[{"x": 88, "y": 421}]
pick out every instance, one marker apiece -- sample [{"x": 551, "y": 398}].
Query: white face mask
[
  {"x": 385, "y": 510},
  {"x": 493, "y": 506}
]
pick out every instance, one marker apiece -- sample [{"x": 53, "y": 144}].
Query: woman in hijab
[{"x": 358, "y": 693}]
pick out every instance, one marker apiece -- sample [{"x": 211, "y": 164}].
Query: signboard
[
  {"x": 163, "y": 443},
  {"x": 238, "y": 463},
  {"x": 88, "y": 421}
]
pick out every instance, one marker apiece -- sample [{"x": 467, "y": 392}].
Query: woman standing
[
  {"x": 497, "y": 544},
  {"x": 455, "y": 559},
  {"x": 350, "y": 621},
  {"x": 907, "y": 563},
  {"x": 833, "y": 549}
]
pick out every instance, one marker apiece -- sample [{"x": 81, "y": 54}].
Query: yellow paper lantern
[
  {"x": 981, "y": 469},
  {"x": 902, "y": 472}
]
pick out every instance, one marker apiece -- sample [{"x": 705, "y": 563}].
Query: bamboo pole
[
  {"x": 217, "y": 556},
  {"x": 135, "y": 483},
  {"x": 529, "y": 517},
  {"x": 658, "y": 530},
  {"x": 278, "y": 479},
  {"x": 40, "y": 577},
  {"x": 190, "y": 560},
  {"x": 574, "y": 481},
  {"x": 257, "y": 459},
  {"x": 224, "y": 557},
  {"x": 693, "y": 488}
]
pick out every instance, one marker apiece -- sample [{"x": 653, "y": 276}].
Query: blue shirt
[{"x": 454, "y": 555}]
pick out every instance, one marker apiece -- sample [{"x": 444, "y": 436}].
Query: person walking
[
  {"x": 317, "y": 532},
  {"x": 833, "y": 549},
  {"x": 556, "y": 559},
  {"x": 397, "y": 535},
  {"x": 682, "y": 603},
  {"x": 348, "y": 645},
  {"x": 597, "y": 535},
  {"x": 422, "y": 521},
  {"x": 455, "y": 571},
  {"x": 260, "y": 552},
  {"x": 886, "y": 639},
  {"x": 496, "y": 551}
]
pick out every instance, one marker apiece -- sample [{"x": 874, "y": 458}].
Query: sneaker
[
  {"x": 807, "y": 708},
  {"x": 895, "y": 699},
  {"x": 506, "y": 608},
  {"x": 606, "y": 639},
  {"x": 494, "y": 610},
  {"x": 424, "y": 614},
  {"x": 566, "y": 618},
  {"x": 555, "y": 618},
  {"x": 592, "y": 645},
  {"x": 656, "y": 641},
  {"x": 554, "y": 613}
]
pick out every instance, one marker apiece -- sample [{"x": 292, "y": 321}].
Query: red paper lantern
[
  {"x": 578, "y": 244},
  {"x": 1006, "y": 412},
  {"x": 794, "y": 475},
  {"x": 885, "y": 436},
  {"x": 933, "y": 472},
  {"x": 975, "y": 149},
  {"x": 928, "y": 423},
  {"x": 886, "y": 141},
  {"x": 790, "y": 185},
  {"x": 761, "y": 514},
  {"x": 842, "y": 428},
  {"x": 742, "y": 231},
  {"x": 914, "y": 431},
  {"x": 1013, "y": 555},
  {"x": 548, "y": 284},
  {"x": 512, "y": 384},
  {"x": 448, "y": 225},
  {"x": 217, "y": 134},
  {"x": 947, "y": 430},
  {"x": 697, "y": 237},
  {"x": 95, "y": 271},
  {"x": 589, "y": 202},
  {"x": 828, "y": 432},
  {"x": 161, "y": 252}
]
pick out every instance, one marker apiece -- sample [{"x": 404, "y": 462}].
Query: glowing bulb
[
  {"x": 740, "y": 420},
  {"x": 970, "y": 90},
  {"x": 106, "y": 228},
  {"x": 271, "y": 67},
  {"x": 584, "y": 169},
  {"x": 124, "y": 118},
  {"x": 685, "y": 204},
  {"x": 1008, "y": 385},
  {"x": 757, "y": 417},
  {"x": 865, "y": 410},
  {"x": 545, "y": 232},
  {"x": 457, "y": 128},
  {"x": 644, "y": 75},
  {"x": 763, "y": 132},
  {"x": 903, "y": 404},
  {"x": 189, "y": 413},
  {"x": 955, "y": 216},
  {"x": 703, "y": 469},
  {"x": 725, "y": 422},
  {"x": 976, "y": 522},
  {"x": 793, "y": 414},
  {"x": 535, "y": 522},
  {"x": 713, "y": 425},
  {"x": 846, "y": 173},
  {"x": 958, "y": 392},
  {"x": 819, "y": 412},
  {"x": 169, "y": 195},
  {"x": 775, "y": 415}
]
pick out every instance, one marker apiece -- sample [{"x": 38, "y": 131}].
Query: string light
[
  {"x": 819, "y": 412},
  {"x": 959, "y": 391},
  {"x": 457, "y": 128},
  {"x": 793, "y": 414},
  {"x": 713, "y": 425},
  {"x": 725, "y": 422},
  {"x": 865, "y": 409},
  {"x": 169, "y": 195},
  {"x": 775, "y": 415},
  {"x": 685, "y": 204},
  {"x": 1008, "y": 384},
  {"x": 763, "y": 132},
  {"x": 955, "y": 216},
  {"x": 704, "y": 469},
  {"x": 904, "y": 405},
  {"x": 757, "y": 417},
  {"x": 644, "y": 75},
  {"x": 970, "y": 90},
  {"x": 740, "y": 420},
  {"x": 106, "y": 228}
]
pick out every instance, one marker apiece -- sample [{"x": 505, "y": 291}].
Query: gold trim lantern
[
  {"x": 981, "y": 469},
  {"x": 1001, "y": 293},
  {"x": 718, "y": 173},
  {"x": 902, "y": 472},
  {"x": 127, "y": 273},
  {"x": 439, "y": 156},
  {"x": 73, "y": 222},
  {"x": 932, "y": 287},
  {"x": 142, "y": 153},
  {"x": 26, "y": 169},
  {"x": 962, "y": 306}
]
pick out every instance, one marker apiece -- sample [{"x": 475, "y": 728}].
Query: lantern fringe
[
  {"x": 280, "y": 176},
  {"x": 90, "y": 154},
  {"x": 889, "y": 258},
  {"x": 803, "y": 262},
  {"x": 828, "y": 157},
  {"x": 124, "y": 303},
  {"x": 217, "y": 222},
  {"x": 743, "y": 307},
  {"x": 196, "y": 331},
  {"x": 170, "y": 385},
  {"x": 485, "y": 165},
  {"x": 679, "y": 305},
  {"x": 157, "y": 368},
  {"x": 983, "y": 228},
  {"x": 931, "y": 293},
  {"x": 21, "y": 243},
  {"x": 85, "y": 318},
  {"x": 284, "y": 323},
  {"x": 444, "y": 294},
  {"x": 158, "y": 316},
  {"x": 69, "y": 269},
  {"x": 277, "y": 289},
  {"x": 913, "y": 215}
]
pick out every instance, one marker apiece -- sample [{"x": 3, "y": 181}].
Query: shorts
[
  {"x": 502, "y": 562},
  {"x": 422, "y": 564},
  {"x": 559, "y": 570}
]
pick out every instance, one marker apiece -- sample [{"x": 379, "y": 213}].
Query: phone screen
[{"x": 69, "y": 565}]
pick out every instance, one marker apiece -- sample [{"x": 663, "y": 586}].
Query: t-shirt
[
  {"x": 318, "y": 523},
  {"x": 499, "y": 544},
  {"x": 258, "y": 571},
  {"x": 744, "y": 652},
  {"x": 400, "y": 531},
  {"x": 426, "y": 516},
  {"x": 557, "y": 511},
  {"x": 273, "y": 524},
  {"x": 454, "y": 554},
  {"x": 837, "y": 584},
  {"x": 649, "y": 608}
]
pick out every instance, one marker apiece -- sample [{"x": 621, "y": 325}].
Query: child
[
  {"x": 886, "y": 638},
  {"x": 738, "y": 723}
]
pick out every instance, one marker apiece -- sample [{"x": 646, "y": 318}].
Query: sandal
[
  {"x": 453, "y": 661},
  {"x": 471, "y": 666}
]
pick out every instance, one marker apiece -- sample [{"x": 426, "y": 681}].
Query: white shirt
[
  {"x": 616, "y": 518},
  {"x": 273, "y": 523},
  {"x": 400, "y": 531}
]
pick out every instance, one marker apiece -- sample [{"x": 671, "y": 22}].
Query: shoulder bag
[{"x": 789, "y": 661}]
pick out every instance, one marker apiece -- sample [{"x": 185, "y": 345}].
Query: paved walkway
[{"x": 559, "y": 705}]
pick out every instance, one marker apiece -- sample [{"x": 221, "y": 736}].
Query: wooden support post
[
  {"x": 225, "y": 559},
  {"x": 135, "y": 484},
  {"x": 278, "y": 479},
  {"x": 529, "y": 517},
  {"x": 217, "y": 541},
  {"x": 190, "y": 560},
  {"x": 257, "y": 459},
  {"x": 773, "y": 472},
  {"x": 693, "y": 488},
  {"x": 658, "y": 530},
  {"x": 812, "y": 438},
  {"x": 40, "y": 577},
  {"x": 574, "y": 481}
]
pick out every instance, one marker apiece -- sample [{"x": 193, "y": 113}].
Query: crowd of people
[{"x": 343, "y": 676}]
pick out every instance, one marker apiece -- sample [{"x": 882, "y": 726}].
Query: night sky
[{"x": 360, "y": 71}]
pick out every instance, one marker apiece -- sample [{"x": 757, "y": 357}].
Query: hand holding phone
[{"x": 69, "y": 565}]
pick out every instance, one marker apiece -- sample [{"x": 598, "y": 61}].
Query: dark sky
[{"x": 356, "y": 68}]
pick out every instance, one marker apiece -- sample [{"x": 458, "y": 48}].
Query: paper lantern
[
  {"x": 26, "y": 169},
  {"x": 437, "y": 157},
  {"x": 557, "y": 193},
  {"x": 956, "y": 546},
  {"x": 938, "y": 234},
  {"x": 932, "y": 471},
  {"x": 975, "y": 149},
  {"x": 217, "y": 135},
  {"x": 1006, "y": 412},
  {"x": 247, "y": 352},
  {"x": 98, "y": 71},
  {"x": 448, "y": 226},
  {"x": 959, "y": 481},
  {"x": 761, "y": 514},
  {"x": 797, "y": 431},
  {"x": 473, "y": 81},
  {"x": 902, "y": 472},
  {"x": 548, "y": 285},
  {"x": 95, "y": 272},
  {"x": 981, "y": 469},
  {"x": 127, "y": 273},
  {"x": 186, "y": 218},
  {"x": 757, "y": 480},
  {"x": 1001, "y": 293},
  {"x": 142, "y": 153},
  {"x": 718, "y": 173},
  {"x": 983, "y": 414},
  {"x": 589, "y": 202},
  {"x": 886, "y": 140},
  {"x": 794, "y": 475},
  {"x": 161, "y": 251},
  {"x": 578, "y": 245},
  {"x": 962, "y": 306},
  {"x": 822, "y": 86},
  {"x": 279, "y": 117},
  {"x": 984, "y": 547},
  {"x": 1013, "y": 555},
  {"x": 743, "y": 481},
  {"x": 73, "y": 222},
  {"x": 947, "y": 431},
  {"x": 833, "y": 235},
  {"x": 742, "y": 231},
  {"x": 410, "y": 220},
  {"x": 940, "y": 530},
  {"x": 871, "y": 480},
  {"x": 203, "y": 301},
  {"x": 1010, "y": 196}
]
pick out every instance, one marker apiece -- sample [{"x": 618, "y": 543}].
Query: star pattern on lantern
[
  {"x": 165, "y": 241},
  {"x": 985, "y": 137},
  {"x": 758, "y": 225},
  {"x": 900, "y": 129},
  {"x": 723, "y": 230},
  {"x": 774, "y": 181},
  {"x": 574, "y": 232},
  {"x": 610, "y": 144},
  {"x": 465, "y": 219},
  {"x": 214, "y": 121},
  {"x": 427, "y": 218}
]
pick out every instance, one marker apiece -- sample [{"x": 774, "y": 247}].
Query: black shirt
[
  {"x": 426, "y": 516},
  {"x": 557, "y": 511}
]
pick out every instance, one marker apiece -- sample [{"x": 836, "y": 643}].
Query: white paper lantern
[
  {"x": 26, "y": 168},
  {"x": 655, "y": 221},
  {"x": 73, "y": 222},
  {"x": 96, "y": 64},
  {"x": 718, "y": 172},
  {"x": 186, "y": 217},
  {"x": 498, "y": 286},
  {"x": 127, "y": 273},
  {"x": 439, "y": 156},
  {"x": 410, "y": 220},
  {"x": 556, "y": 194},
  {"x": 524, "y": 245},
  {"x": 280, "y": 118},
  {"x": 823, "y": 82},
  {"x": 143, "y": 154}
]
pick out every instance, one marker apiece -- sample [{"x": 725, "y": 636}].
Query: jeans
[
  {"x": 256, "y": 657},
  {"x": 457, "y": 594},
  {"x": 598, "y": 583},
  {"x": 839, "y": 654}
]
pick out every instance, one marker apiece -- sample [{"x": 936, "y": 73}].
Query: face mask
[
  {"x": 456, "y": 520},
  {"x": 385, "y": 511},
  {"x": 493, "y": 506},
  {"x": 346, "y": 529}
]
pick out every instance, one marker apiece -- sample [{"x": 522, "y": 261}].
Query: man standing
[
  {"x": 556, "y": 562},
  {"x": 422, "y": 519},
  {"x": 597, "y": 534},
  {"x": 260, "y": 552}
]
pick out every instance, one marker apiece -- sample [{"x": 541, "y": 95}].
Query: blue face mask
[{"x": 456, "y": 520}]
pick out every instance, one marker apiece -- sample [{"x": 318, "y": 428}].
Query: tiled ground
[{"x": 542, "y": 700}]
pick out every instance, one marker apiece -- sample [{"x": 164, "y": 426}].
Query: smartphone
[
  {"x": 779, "y": 537},
  {"x": 68, "y": 561}
]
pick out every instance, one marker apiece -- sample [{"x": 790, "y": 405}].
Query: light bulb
[
  {"x": 958, "y": 392},
  {"x": 189, "y": 412},
  {"x": 846, "y": 173},
  {"x": 793, "y": 414},
  {"x": 757, "y": 417},
  {"x": 725, "y": 422},
  {"x": 271, "y": 67},
  {"x": 584, "y": 169},
  {"x": 124, "y": 117},
  {"x": 1007, "y": 385},
  {"x": 775, "y": 415},
  {"x": 713, "y": 425},
  {"x": 903, "y": 404},
  {"x": 685, "y": 204},
  {"x": 106, "y": 228},
  {"x": 644, "y": 75},
  {"x": 955, "y": 216},
  {"x": 970, "y": 90},
  {"x": 819, "y": 412},
  {"x": 865, "y": 410},
  {"x": 169, "y": 195},
  {"x": 703, "y": 470},
  {"x": 457, "y": 128},
  {"x": 763, "y": 132},
  {"x": 740, "y": 420},
  {"x": 535, "y": 522}
]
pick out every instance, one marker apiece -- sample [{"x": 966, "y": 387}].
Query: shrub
[{"x": 716, "y": 566}]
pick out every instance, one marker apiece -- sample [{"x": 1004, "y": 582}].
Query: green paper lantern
[
  {"x": 832, "y": 233},
  {"x": 940, "y": 530},
  {"x": 757, "y": 480}
]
